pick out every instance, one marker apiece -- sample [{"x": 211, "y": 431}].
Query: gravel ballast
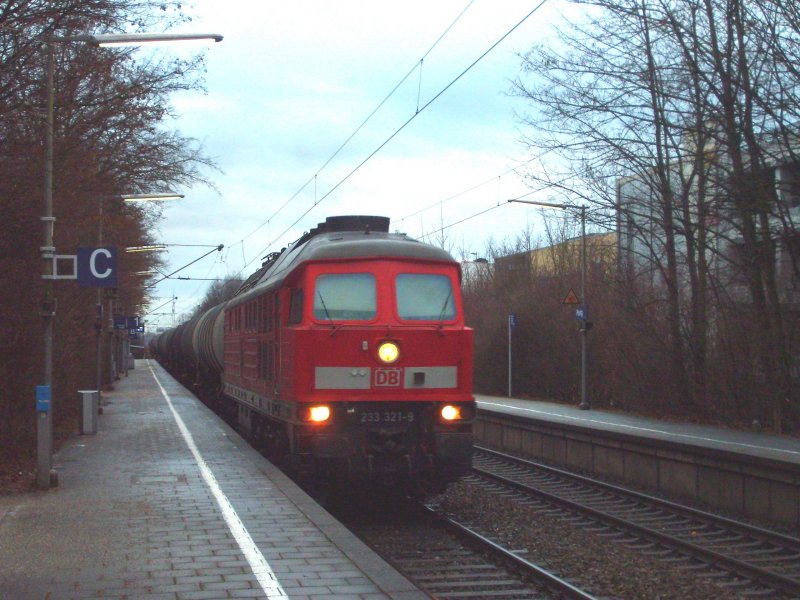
[{"x": 589, "y": 560}]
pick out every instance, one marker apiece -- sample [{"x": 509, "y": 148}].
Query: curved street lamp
[
  {"x": 45, "y": 476},
  {"x": 584, "y": 404},
  {"x": 147, "y": 197},
  {"x": 104, "y": 40}
]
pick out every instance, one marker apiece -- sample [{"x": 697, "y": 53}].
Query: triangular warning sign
[{"x": 571, "y": 298}]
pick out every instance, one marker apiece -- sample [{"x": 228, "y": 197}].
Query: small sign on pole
[
  {"x": 571, "y": 298},
  {"x": 43, "y": 397},
  {"x": 124, "y": 322}
]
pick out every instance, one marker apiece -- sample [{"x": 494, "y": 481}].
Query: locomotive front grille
[{"x": 388, "y": 442}]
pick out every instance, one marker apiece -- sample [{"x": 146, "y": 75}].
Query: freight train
[{"x": 346, "y": 354}]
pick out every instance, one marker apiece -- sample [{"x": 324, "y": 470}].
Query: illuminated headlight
[
  {"x": 388, "y": 352},
  {"x": 317, "y": 414},
  {"x": 451, "y": 413}
]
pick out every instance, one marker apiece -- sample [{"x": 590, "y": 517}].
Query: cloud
[{"x": 293, "y": 80}]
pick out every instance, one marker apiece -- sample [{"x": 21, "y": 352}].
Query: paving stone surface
[{"x": 134, "y": 517}]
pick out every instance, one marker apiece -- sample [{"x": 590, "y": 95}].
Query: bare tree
[
  {"x": 675, "y": 115},
  {"x": 110, "y": 110},
  {"x": 605, "y": 107},
  {"x": 217, "y": 293}
]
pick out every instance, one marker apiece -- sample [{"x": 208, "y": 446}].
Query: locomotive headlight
[
  {"x": 317, "y": 414},
  {"x": 388, "y": 352},
  {"x": 450, "y": 413}
]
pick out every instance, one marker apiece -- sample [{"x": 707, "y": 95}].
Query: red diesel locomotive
[{"x": 346, "y": 353}]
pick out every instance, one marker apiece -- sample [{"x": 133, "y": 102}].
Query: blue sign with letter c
[{"x": 97, "y": 267}]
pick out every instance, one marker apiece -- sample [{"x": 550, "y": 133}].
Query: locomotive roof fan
[{"x": 363, "y": 223}]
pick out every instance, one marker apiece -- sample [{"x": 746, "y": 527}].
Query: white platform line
[{"x": 266, "y": 578}]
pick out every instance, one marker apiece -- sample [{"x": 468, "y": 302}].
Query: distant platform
[
  {"x": 751, "y": 473},
  {"x": 754, "y": 443}
]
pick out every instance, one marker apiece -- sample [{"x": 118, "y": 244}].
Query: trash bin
[{"x": 89, "y": 400}]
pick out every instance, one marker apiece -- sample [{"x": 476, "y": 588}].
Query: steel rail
[
  {"x": 757, "y": 574},
  {"x": 441, "y": 561},
  {"x": 551, "y": 581},
  {"x": 744, "y": 528}
]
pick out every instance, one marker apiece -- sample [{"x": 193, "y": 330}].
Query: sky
[{"x": 290, "y": 85}]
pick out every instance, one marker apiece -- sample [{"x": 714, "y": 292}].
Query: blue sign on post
[
  {"x": 42, "y": 398},
  {"x": 582, "y": 313},
  {"x": 97, "y": 267},
  {"x": 512, "y": 320},
  {"x": 126, "y": 323}
]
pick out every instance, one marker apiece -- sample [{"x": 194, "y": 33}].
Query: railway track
[
  {"x": 749, "y": 560},
  {"x": 448, "y": 560}
]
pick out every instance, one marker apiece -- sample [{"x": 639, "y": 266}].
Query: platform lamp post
[
  {"x": 584, "y": 404},
  {"x": 155, "y": 197},
  {"x": 45, "y": 476}
]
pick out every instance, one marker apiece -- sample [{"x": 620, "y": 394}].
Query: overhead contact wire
[
  {"x": 441, "y": 229},
  {"x": 404, "y": 125},
  {"x": 361, "y": 126},
  {"x": 363, "y": 123},
  {"x": 462, "y": 192}
]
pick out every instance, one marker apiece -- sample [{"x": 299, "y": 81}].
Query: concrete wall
[{"x": 752, "y": 486}]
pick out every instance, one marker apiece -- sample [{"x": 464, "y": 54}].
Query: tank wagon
[{"x": 346, "y": 354}]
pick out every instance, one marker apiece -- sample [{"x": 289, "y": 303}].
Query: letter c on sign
[{"x": 93, "y": 263}]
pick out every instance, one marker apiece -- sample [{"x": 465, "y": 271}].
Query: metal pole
[
  {"x": 45, "y": 475},
  {"x": 99, "y": 324},
  {"x": 509, "y": 356},
  {"x": 584, "y": 405},
  {"x": 113, "y": 341},
  {"x": 44, "y": 418}
]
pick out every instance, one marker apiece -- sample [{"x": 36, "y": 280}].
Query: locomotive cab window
[
  {"x": 345, "y": 297},
  {"x": 296, "y": 306},
  {"x": 424, "y": 297}
]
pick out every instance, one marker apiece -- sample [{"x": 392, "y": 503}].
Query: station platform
[
  {"x": 746, "y": 473},
  {"x": 780, "y": 448},
  {"x": 166, "y": 501}
]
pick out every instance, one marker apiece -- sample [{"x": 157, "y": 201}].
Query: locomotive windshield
[
  {"x": 345, "y": 297},
  {"x": 422, "y": 297}
]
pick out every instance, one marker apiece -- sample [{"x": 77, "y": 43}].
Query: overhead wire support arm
[
  {"x": 199, "y": 278},
  {"x": 544, "y": 204},
  {"x": 216, "y": 249}
]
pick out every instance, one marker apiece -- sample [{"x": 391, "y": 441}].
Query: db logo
[{"x": 388, "y": 377}]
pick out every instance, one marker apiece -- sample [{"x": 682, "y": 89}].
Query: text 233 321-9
[{"x": 387, "y": 416}]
